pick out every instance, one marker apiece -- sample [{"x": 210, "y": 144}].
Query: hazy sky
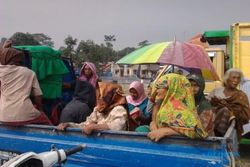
[{"x": 131, "y": 21}]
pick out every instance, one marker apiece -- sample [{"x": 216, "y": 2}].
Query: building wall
[{"x": 146, "y": 71}]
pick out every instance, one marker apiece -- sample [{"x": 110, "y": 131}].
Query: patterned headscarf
[
  {"x": 110, "y": 96},
  {"x": 177, "y": 109},
  {"x": 11, "y": 56},
  {"x": 139, "y": 87},
  {"x": 93, "y": 78}
]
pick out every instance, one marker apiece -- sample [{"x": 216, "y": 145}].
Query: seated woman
[
  {"x": 174, "y": 110},
  {"x": 230, "y": 103},
  {"x": 203, "y": 106},
  {"x": 137, "y": 105},
  {"x": 109, "y": 113},
  {"x": 88, "y": 73},
  {"x": 84, "y": 98},
  {"x": 18, "y": 85}
]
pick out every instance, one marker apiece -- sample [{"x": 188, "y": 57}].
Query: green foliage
[
  {"x": 88, "y": 51},
  {"x": 143, "y": 43},
  {"x": 124, "y": 52},
  {"x": 70, "y": 43},
  {"x": 85, "y": 50},
  {"x": 43, "y": 39},
  {"x": 20, "y": 38},
  {"x": 109, "y": 39}
]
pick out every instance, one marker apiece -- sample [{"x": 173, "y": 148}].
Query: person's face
[
  {"x": 87, "y": 72},
  {"x": 133, "y": 93},
  {"x": 233, "y": 80},
  {"x": 195, "y": 87}
]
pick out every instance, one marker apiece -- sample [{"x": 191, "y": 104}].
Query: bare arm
[
  {"x": 88, "y": 129},
  {"x": 153, "y": 125},
  {"x": 160, "y": 133},
  {"x": 38, "y": 102}
]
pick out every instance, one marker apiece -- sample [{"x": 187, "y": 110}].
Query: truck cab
[{"x": 235, "y": 43}]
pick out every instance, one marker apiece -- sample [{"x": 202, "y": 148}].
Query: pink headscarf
[
  {"x": 93, "y": 79},
  {"x": 139, "y": 87}
]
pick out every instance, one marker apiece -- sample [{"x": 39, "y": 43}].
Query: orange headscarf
[{"x": 110, "y": 96}]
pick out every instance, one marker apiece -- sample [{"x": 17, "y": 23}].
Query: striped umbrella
[{"x": 176, "y": 53}]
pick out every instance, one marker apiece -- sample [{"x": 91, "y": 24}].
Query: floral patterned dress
[{"x": 177, "y": 109}]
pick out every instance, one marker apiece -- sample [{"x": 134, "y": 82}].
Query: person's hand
[
  {"x": 88, "y": 129},
  {"x": 141, "y": 116},
  {"x": 135, "y": 113},
  {"x": 218, "y": 101},
  {"x": 66, "y": 85},
  {"x": 160, "y": 133},
  {"x": 153, "y": 126},
  {"x": 63, "y": 126},
  {"x": 156, "y": 135},
  {"x": 223, "y": 102}
]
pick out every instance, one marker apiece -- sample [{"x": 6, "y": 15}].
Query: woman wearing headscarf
[
  {"x": 174, "y": 111},
  {"x": 88, "y": 73},
  {"x": 17, "y": 84},
  {"x": 109, "y": 113},
  {"x": 137, "y": 105},
  {"x": 203, "y": 106},
  {"x": 84, "y": 98},
  {"x": 82, "y": 104},
  {"x": 230, "y": 103}
]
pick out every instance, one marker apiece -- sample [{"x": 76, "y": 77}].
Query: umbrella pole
[{"x": 160, "y": 74}]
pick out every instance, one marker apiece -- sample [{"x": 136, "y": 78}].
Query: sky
[{"x": 131, "y": 21}]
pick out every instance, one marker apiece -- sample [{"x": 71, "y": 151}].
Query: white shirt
[
  {"x": 116, "y": 119},
  {"x": 17, "y": 84}
]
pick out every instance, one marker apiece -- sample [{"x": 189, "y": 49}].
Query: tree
[
  {"x": 125, "y": 51},
  {"x": 43, "y": 39},
  {"x": 109, "y": 39},
  {"x": 143, "y": 43},
  {"x": 70, "y": 43},
  {"x": 20, "y": 38}
]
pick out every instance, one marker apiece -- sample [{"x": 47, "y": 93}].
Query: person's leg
[
  {"x": 82, "y": 113},
  {"x": 68, "y": 112},
  {"x": 75, "y": 111}
]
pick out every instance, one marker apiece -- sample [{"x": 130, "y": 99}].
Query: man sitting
[{"x": 17, "y": 84}]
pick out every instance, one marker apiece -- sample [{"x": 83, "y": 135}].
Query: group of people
[{"x": 174, "y": 104}]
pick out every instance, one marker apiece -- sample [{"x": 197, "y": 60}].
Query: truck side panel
[{"x": 241, "y": 47}]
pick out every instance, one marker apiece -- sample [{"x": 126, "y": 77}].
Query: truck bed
[{"x": 111, "y": 148}]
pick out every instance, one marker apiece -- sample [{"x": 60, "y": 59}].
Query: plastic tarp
[
  {"x": 217, "y": 37},
  {"x": 49, "y": 68}
]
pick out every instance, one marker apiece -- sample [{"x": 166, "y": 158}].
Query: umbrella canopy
[{"x": 185, "y": 55}]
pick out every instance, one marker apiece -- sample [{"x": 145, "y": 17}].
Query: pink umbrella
[{"x": 189, "y": 56}]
